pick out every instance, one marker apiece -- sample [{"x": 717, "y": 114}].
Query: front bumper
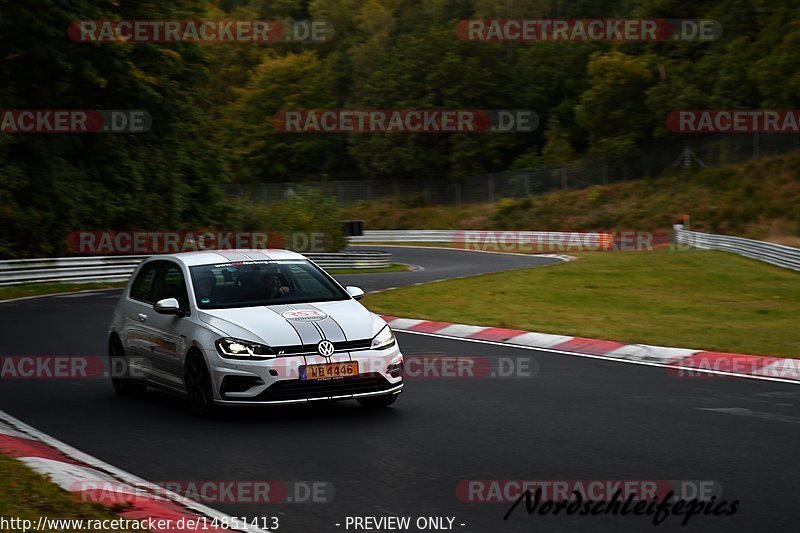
[
  {"x": 396, "y": 389},
  {"x": 277, "y": 381}
]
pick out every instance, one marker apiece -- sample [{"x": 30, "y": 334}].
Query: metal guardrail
[
  {"x": 119, "y": 268},
  {"x": 410, "y": 235},
  {"x": 68, "y": 269},
  {"x": 352, "y": 259},
  {"x": 481, "y": 236},
  {"x": 775, "y": 254}
]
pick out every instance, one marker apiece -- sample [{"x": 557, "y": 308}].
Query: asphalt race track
[
  {"x": 575, "y": 419},
  {"x": 437, "y": 264}
]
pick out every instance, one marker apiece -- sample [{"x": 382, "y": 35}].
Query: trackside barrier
[
  {"x": 119, "y": 268},
  {"x": 467, "y": 237},
  {"x": 775, "y": 254}
]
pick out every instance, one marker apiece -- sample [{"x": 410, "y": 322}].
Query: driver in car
[{"x": 273, "y": 287}]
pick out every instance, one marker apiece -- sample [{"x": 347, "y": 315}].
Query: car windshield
[{"x": 256, "y": 283}]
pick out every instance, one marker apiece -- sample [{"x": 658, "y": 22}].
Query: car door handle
[{"x": 142, "y": 317}]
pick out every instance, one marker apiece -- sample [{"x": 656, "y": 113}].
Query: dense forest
[{"x": 212, "y": 105}]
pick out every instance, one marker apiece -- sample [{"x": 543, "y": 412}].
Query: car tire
[
  {"x": 123, "y": 384},
  {"x": 199, "y": 390},
  {"x": 378, "y": 402}
]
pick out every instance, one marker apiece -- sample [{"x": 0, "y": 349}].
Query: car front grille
[
  {"x": 343, "y": 346},
  {"x": 296, "y": 389}
]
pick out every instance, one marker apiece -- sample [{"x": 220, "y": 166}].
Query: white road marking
[
  {"x": 403, "y": 323},
  {"x": 11, "y": 432},
  {"x": 531, "y": 338},
  {"x": 646, "y": 352},
  {"x": 461, "y": 330},
  {"x": 604, "y": 358}
]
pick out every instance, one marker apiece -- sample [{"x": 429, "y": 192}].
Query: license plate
[{"x": 329, "y": 370}]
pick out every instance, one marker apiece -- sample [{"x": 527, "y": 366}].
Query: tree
[{"x": 613, "y": 110}]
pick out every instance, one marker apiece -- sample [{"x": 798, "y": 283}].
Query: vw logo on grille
[{"x": 325, "y": 348}]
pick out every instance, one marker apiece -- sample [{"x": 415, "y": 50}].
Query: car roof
[{"x": 213, "y": 257}]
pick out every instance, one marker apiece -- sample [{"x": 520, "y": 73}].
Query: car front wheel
[{"x": 198, "y": 386}]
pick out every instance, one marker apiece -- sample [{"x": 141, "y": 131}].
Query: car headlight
[
  {"x": 384, "y": 339},
  {"x": 239, "y": 349}
]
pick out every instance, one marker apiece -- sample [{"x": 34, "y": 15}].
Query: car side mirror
[
  {"x": 169, "y": 306},
  {"x": 356, "y": 292}
]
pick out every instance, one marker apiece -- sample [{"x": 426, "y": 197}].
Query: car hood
[{"x": 290, "y": 325}]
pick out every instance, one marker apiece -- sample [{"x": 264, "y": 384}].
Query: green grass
[
  {"x": 694, "y": 299},
  {"x": 39, "y": 289},
  {"x": 27, "y": 495},
  {"x": 394, "y": 267}
]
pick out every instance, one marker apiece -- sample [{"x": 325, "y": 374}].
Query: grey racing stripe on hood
[
  {"x": 307, "y": 332},
  {"x": 332, "y": 330}
]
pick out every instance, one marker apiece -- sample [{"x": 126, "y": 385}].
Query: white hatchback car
[{"x": 250, "y": 327}]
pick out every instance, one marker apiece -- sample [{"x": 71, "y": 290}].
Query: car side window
[
  {"x": 170, "y": 284},
  {"x": 142, "y": 287}
]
